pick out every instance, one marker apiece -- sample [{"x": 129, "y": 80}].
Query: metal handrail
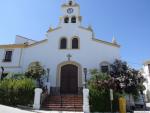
[{"x": 61, "y": 101}]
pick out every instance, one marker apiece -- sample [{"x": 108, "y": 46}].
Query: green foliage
[
  {"x": 121, "y": 79},
  {"x": 17, "y": 91},
  {"x": 99, "y": 86},
  {"x": 130, "y": 80},
  {"x": 35, "y": 70}
]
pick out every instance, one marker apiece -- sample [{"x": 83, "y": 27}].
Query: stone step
[
  {"x": 64, "y": 103},
  {"x": 64, "y": 109},
  {"x": 51, "y": 106}
]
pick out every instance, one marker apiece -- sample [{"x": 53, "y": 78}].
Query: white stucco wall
[
  {"x": 146, "y": 74},
  {"x": 90, "y": 54},
  {"x": 16, "y": 57}
]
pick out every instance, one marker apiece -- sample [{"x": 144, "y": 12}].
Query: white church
[{"x": 66, "y": 50}]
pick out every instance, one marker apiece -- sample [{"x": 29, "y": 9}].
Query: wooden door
[{"x": 69, "y": 79}]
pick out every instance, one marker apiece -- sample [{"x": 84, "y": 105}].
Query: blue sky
[{"x": 129, "y": 20}]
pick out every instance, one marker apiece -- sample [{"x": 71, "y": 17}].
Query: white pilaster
[
  {"x": 86, "y": 107},
  {"x": 37, "y": 99}
]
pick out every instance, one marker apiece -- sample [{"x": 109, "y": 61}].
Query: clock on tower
[{"x": 71, "y": 12}]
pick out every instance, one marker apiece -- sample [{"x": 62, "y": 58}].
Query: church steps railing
[{"x": 56, "y": 91}]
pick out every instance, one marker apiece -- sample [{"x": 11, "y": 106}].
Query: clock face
[{"x": 69, "y": 10}]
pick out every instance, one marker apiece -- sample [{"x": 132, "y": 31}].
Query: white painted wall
[
  {"x": 146, "y": 74},
  {"x": 90, "y": 54},
  {"x": 16, "y": 57}
]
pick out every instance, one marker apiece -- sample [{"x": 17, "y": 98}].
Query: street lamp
[
  {"x": 48, "y": 77},
  {"x": 2, "y": 68},
  {"x": 85, "y": 75}
]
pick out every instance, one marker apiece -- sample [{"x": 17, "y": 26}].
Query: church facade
[{"x": 66, "y": 50}]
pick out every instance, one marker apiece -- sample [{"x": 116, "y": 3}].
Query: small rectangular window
[
  {"x": 104, "y": 69},
  {"x": 149, "y": 67},
  {"x": 8, "y": 56}
]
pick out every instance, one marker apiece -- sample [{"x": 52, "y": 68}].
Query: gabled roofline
[
  {"x": 22, "y": 45},
  {"x": 100, "y": 41},
  {"x": 85, "y": 28},
  {"x": 26, "y": 38},
  {"x": 105, "y": 42},
  {"x": 36, "y": 43}
]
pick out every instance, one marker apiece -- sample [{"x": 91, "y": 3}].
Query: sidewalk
[{"x": 6, "y": 109}]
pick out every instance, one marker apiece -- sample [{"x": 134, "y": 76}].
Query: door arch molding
[{"x": 58, "y": 78}]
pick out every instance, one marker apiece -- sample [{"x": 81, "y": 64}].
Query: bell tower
[{"x": 70, "y": 13}]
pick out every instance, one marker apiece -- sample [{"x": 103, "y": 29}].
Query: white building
[
  {"x": 146, "y": 74},
  {"x": 66, "y": 50}
]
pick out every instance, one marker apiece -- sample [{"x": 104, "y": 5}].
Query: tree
[
  {"x": 121, "y": 79},
  {"x": 35, "y": 70},
  {"x": 100, "y": 85},
  {"x": 130, "y": 80}
]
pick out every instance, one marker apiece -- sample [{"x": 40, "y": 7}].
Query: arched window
[
  {"x": 66, "y": 20},
  {"x": 75, "y": 43},
  {"x": 104, "y": 66},
  {"x": 63, "y": 43},
  {"x": 73, "y": 19}
]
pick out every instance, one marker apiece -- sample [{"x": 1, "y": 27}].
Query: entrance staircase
[{"x": 64, "y": 103}]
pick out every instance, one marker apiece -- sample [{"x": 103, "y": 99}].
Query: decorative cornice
[
  {"x": 105, "y": 42},
  {"x": 84, "y": 28},
  {"x": 51, "y": 29},
  {"x": 13, "y": 46}
]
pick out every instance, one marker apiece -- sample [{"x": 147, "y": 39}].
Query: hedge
[{"x": 17, "y": 92}]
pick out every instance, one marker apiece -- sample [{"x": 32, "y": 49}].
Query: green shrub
[
  {"x": 100, "y": 101},
  {"x": 35, "y": 70},
  {"x": 99, "y": 86},
  {"x": 17, "y": 91}
]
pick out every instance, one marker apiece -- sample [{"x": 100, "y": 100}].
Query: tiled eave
[{"x": 13, "y": 46}]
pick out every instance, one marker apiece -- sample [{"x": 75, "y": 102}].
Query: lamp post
[
  {"x": 2, "y": 68},
  {"x": 48, "y": 77},
  {"x": 85, "y": 75}
]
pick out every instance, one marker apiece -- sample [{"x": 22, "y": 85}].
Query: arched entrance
[{"x": 69, "y": 79}]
